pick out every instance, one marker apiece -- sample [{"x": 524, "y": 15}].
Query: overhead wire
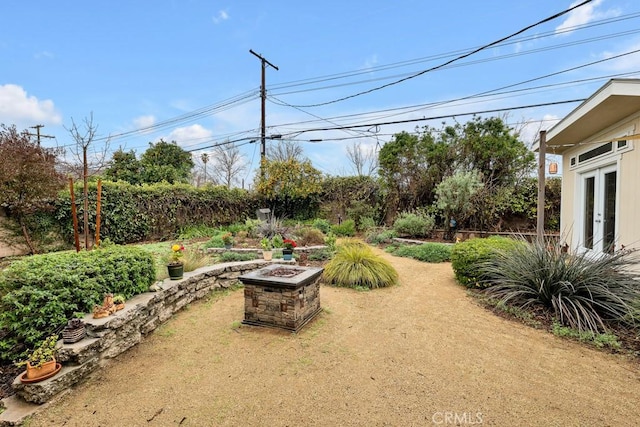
[{"x": 457, "y": 58}]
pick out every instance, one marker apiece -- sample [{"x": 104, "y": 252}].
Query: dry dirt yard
[{"x": 418, "y": 354}]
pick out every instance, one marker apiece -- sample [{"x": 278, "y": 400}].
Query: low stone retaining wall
[{"x": 110, "y": 336}]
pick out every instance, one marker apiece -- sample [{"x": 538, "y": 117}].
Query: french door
[{"x": 599, "y": 193}]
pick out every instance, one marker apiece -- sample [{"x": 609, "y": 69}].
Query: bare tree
[
  {"x": 201, "y": 174},
  {"x": 284, "y": 150},
  {"x": 228, "y": 164},
  {"x": 84, "y": 137},
  {"x": 364, "y": 160}
]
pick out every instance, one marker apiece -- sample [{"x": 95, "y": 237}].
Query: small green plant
[
  {"x": 599, "y": 340},
  {"x": 236, "y": 256},
  {"x": 322, "y": 255},
  {"x": 251, "y": 226},
  {"x": 176, "y": 254},
  {"x": 44, "y": 353},
  {"x": 119, "y": 299},
  {"x": 356, "y": 265},
  {"x": 227, "y": 238},
  {"x": 330, "y": 242},
  {"x": 277, "y": 241},
  {"x": 427, "y": 252},
  {"x": 196, "y": 232},
  {"x": 414, "y": 224},
  {"x": 346, "y": 229},
  {"x": 265, "y": 243}
]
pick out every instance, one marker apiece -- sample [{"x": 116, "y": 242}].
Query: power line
[
  {"x": 420, "y": 73},
  {"x": 395, "y": 122},
  {"x": 368, "y": 70}
]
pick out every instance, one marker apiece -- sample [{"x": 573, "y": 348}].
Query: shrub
[
  {"x": 380, "y": 237},
  {"x": 196, "y": 231},
  {"x": 237, "y": 256},
  {"x": 216, "y": 241},
  {"x": 346, "y": 229},
  {"x": 42, "y": 292},
  {"x": 356, "y": 265},
  {"x": 366, "y": 223},
  {"x": 583, "y": 292},
  {"x": 330, "y": 242},
  {"x": 321, "y": 255},
  {"x": 309, "y": 237},
  {"x": 466, "y": 258},
  {"x": 414, "y": 224},
  {"x": 272, "y": 227},
  {"x": 322, "y": 225},
  {"x": 428, "y": 252}
]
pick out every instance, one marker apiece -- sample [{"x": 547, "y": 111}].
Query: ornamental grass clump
[
  {"x": 583, "y": 292},
  {"x": 355, "y": 265}
]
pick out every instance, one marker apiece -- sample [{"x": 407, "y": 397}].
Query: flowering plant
[
  {"x": 176, "y": 253},
  {"x": 227, "y": 238},
  {"x": 289, "y": 244}
]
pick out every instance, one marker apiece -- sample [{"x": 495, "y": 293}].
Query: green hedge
[
  {"x": 466, "y": 257},
  {"x": 131, "y": 213},
  {"x": 40, "y": 293}
]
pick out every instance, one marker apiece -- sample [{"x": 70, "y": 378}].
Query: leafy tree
[
  {"x": 166, "y": 161},
  {"x": 410, "y": 166},
  {"x": 28, "y": 177},
  {"x": 290, "y": 185},
  {"x": 124, "y": 167},
  {"x": 489, "y": 146},
  {"x": 455, "y": 195}
]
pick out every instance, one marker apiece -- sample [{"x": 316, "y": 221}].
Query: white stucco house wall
[{"x": 600, "y": 146}]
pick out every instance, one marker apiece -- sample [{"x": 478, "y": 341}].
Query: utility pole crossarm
[
  {"x": 37, "y": 134},
  {"x": 263, "y": 96}
]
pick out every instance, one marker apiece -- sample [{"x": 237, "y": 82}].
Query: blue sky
[{"x": 181, "y": 70}]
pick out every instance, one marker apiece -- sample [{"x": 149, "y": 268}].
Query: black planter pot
[
  {"x": 176, "y": 271},
  {"x": 287, "y": 254}
]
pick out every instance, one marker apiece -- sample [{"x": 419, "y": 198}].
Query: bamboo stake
[
  {"x": 74, "y": 215},
  {"x": 97, "y": 243}
]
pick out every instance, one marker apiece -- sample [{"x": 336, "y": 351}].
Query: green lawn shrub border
[{"x": 39, "y": 294}]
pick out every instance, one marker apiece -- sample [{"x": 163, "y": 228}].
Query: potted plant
[
  {"x": 41, "y": 363},
  {"x": 287, "y": 251},
  {"x": 74, "y": 331},
  {"x": 118, "y": 301},
  {"x": 175, "y": 266},
  {"x": 267, "y": 252},
  {"x": 227, "y": 239}
]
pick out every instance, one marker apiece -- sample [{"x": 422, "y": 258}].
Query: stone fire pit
[{"x": 281, "y": 296}]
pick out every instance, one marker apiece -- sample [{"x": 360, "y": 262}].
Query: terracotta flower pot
[
  {"x": 42, "y": 371},
  {"x": 267, "y": 255}
]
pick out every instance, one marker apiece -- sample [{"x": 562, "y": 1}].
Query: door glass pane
[
  {"x": 609, "y": 217},
  {"x": 589, "y": 193}
]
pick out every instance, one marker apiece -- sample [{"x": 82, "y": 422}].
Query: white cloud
[
  {"x": 584, "y": 15},
  {"x": 144, "y": 121},
  {"x": 220, "y": 17},
  {"x": 17, "y": 107},
  {"x": 44, "y": 55},
  {"x": 189, "y": 135}
]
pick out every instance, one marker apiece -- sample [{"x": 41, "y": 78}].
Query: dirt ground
[{"x": 418, "y": 354}]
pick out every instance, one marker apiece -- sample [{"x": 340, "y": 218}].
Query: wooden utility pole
[
  {"x": 37, "y": 134},
  {"x": 542, "y": 154},
  {"x": 263, "y": 95}
]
